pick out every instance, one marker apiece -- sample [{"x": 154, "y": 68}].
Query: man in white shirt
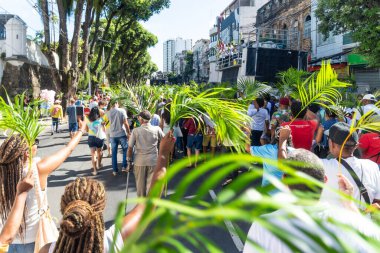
[
  {"x": 297, "y": 224},
  {"x": 366, "y": 170},
  {"x": 368, "y": 103}
]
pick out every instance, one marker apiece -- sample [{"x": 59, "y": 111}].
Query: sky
[{"x": 188, "y": 19}]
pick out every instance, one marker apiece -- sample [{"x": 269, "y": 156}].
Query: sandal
[{"x": 227, "y": 182}]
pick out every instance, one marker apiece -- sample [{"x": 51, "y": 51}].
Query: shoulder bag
[
  {"x": 47, "y": 231},
  {"x": 101, "y": 134},
  {"x": 362, "y": 189}
]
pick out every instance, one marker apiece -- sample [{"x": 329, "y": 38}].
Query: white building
[
  {"x": 169, "y": 54},
  {"x": 235, "y": 26},
  {"x": 171, "y": 48},
  {"x": 337, "y": 49},
  {"x": 183, "y": 45}
]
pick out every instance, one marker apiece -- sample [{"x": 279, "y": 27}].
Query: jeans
[
  {"x": 21, "y": 248},
  {"x": 115, "y": 141}
]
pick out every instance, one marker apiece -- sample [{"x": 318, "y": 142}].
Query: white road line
[{"x": 231, "y": 229}]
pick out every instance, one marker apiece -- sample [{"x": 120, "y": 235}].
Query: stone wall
[
  {"x": 27, "y": 77},
  {"x": 286, "y": 15}
]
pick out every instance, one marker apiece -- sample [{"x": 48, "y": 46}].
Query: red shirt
[
  {"x": 370, "y": 145},
  {"x": 302, "y": 132},
  {"x": 190, "y": 126}
]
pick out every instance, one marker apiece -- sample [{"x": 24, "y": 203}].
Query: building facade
[
  {"x": 287, "y": 20},
  {"x": 201, "y": 64},
  {"x": 183, "y": 45},
  {"x": 338, "y": 49},
  {"x": 179, "y": 63},
  {"x": 169, "y": 54},
  {"x": 23, "y": 66},
  {"x": 234, "y": 29}
]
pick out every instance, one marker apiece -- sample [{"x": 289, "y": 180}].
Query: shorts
[
  {"x": 194, "y": 141},
  {"x": 73, "y": 127},
  {"x": 209, "y": 139},
  {"x": 94, "y": 142}
]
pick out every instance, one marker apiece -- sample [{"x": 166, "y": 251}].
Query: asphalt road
[{"x": 79, "y": 165}]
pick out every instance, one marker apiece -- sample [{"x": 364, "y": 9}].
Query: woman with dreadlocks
[
  {"x": 13, "y": 167},
  {"x": 82, "y": 206}
]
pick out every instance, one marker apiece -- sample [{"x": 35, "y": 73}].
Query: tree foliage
[{"x": 361, "y": 18}]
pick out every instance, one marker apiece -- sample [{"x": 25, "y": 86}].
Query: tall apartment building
[
  {"x": 183, "y": 45},
  {"x": 169, "y": 54},
  {"x": 173, "y": 47}
]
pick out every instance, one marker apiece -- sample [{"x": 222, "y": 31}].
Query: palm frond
[
  {"x": 18, "y": 118},
  {"x": 179, "y": 221},
  {"x": 321, "y": 88},
  {"x": 252, "y": 89},
  {"x": 289, "y": 81},
  {"x": 229, "y": 117}
]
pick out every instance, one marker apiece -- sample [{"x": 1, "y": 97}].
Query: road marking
[{"x": 231, "y": 229}]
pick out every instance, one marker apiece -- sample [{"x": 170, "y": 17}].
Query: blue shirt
[
  {"x": 268, "y": 151},
  {"x": 326, "y": 126}
]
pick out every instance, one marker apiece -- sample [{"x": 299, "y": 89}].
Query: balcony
[{"x": 229, "y": 61}]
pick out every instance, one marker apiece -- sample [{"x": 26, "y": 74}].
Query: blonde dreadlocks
[
  {"x": 82, "y": 227},
  {"x": 12, "y": 158}
]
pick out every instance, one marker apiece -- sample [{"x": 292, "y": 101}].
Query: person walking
[
  {"x": 96, "y": 138},
  {"x": 144, "y": 140},
  {"x": 194, "y": 140},
  {"x": 119, "y": 132},
  {"x": 13, "y": 166},
  {"x": 56, "y": 113},
  {"x": 71, "y": 112}
]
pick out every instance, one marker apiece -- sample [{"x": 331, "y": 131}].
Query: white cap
[{"x": 369, "y": 97}]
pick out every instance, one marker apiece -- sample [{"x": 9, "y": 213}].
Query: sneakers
[
  {"x": 114, "y": 173},
  {"x": 124, "y": 170}
]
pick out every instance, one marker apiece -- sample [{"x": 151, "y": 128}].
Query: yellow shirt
[
  {"x": 106, "y": 121},
  {"x": 56, "y": 111}
]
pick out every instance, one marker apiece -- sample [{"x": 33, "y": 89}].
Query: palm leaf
[
  {"x": 21, "y": 119},
  {"x": 321, "y": 88},
  {"x": 289, "y": 81},
  {"x": 229, "y": 117},
  {"x": 179, "y": 221},
  {"x": 252, "y": 89}
]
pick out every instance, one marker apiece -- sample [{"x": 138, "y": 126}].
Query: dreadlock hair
[
  {"x": 12, "y": 158},
  {"x": 82, "y": 226}
]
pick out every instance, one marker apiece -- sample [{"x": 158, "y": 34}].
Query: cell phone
[{"x": 80, "y": 112}]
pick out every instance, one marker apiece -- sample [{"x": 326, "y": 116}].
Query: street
[{"x": 79, "y": 165}]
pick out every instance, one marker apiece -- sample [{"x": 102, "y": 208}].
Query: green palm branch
[
  {"x": 289, "y": 81},
  {"x": 178, "y": 221},
  {"x": 229, "y": 117},
  {"x": 139, "y": 98},
  {"x": 322, "y": 88},
  {"x": 18, "y": 118},
  {"x": 252, "y": 89}
]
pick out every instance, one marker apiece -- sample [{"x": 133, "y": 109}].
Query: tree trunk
[
  {"x": 89, "y": 17},
  {"x": 63, "y": 52},
  {"x": 46, "y": 22}
]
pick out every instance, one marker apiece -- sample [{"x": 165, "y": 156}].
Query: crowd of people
[{"x": 281, "y": 128}]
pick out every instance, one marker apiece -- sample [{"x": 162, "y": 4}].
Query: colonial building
[
  {"x": 23, "y": 66},
  {"x": 291, "y": 18}
]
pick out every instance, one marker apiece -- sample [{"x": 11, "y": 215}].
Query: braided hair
[
  {"x": 82, "y": 226},
  {"x": 12, "y": 158}
]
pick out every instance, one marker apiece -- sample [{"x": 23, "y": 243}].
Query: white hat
[{"x": 369, "y": 97}]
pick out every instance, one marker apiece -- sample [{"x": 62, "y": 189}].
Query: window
[
  {"x": 307, "y": 27},
  {"x": 322, "y": 40}
]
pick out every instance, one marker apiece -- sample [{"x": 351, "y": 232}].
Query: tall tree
[{"x": 360, "y": 17}]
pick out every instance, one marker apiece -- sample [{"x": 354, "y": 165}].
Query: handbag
[
  {"x": 101, "y": 134},
  {"x": 47, "y": 231}
]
